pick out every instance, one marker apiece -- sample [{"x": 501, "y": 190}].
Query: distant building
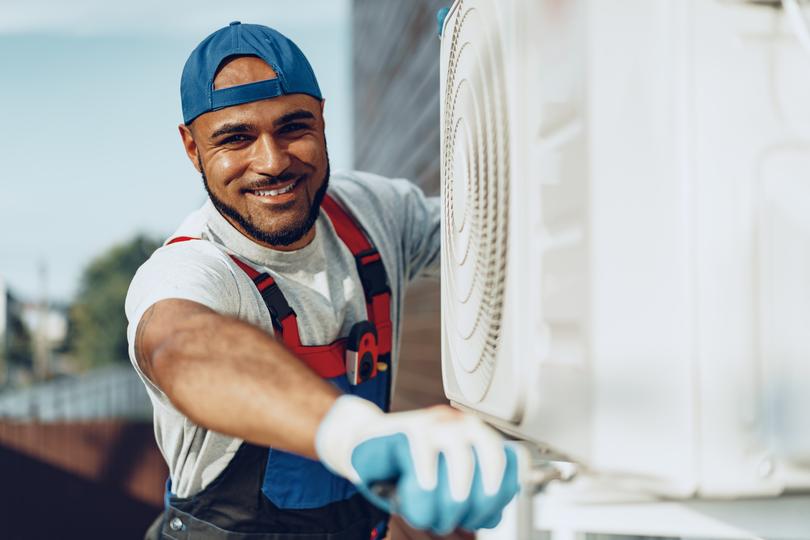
[
  {"x": 49, "y": 322},
  {"x": 47, "y": 325},
  {"x": 29, "y": 333}
]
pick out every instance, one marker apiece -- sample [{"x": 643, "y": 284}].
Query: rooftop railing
[{"x": 108, "y": 392}]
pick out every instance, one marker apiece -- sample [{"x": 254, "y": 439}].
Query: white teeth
[{"x": 274, "y": 192}]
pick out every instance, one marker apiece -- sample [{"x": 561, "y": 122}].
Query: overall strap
[
  {"x": 369, "y": 267},
  {"x": 281, "y": 313}
]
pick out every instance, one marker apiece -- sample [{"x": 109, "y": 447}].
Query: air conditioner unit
[{"x": 626, "y": 237}]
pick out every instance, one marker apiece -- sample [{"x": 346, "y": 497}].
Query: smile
[{"x": 277, "y": 191}]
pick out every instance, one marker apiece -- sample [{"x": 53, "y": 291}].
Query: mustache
[{"x": 269, "y": 181}]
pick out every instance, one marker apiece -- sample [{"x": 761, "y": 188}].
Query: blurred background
[{"x": 94, "y": 178}]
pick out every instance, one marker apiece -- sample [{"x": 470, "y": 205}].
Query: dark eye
[
  {"x": 293, "y": 127},
  {"x": 234, "y": 139}
]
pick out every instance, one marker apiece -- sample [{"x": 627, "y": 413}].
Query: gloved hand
[{"x": 449, "y": 468}]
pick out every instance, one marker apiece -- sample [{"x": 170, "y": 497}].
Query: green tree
[{"x": 98, "y": 325}]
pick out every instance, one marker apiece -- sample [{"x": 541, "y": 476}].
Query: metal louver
[{"x": 475, "y": 190}]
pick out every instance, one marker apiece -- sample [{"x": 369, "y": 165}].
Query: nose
[{"x": 269, "y": 158}]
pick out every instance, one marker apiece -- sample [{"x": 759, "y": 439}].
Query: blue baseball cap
[{"x": 294, "y": 75}]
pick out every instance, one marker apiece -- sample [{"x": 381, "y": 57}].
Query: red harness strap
[
  {"x": 281, "y": 313},
  {"x": 370, "y": 269},
  {"x": 329, "y": 360}
]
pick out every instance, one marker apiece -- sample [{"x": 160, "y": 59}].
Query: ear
[
  {"x": 190, "y": 145},
  {"x": 323, "y": 103}
]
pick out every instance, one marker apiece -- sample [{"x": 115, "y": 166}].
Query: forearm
[{"x": 231, "y": 377}]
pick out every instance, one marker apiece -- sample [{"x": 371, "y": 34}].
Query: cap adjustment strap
[{"x": 245, "y": 93}]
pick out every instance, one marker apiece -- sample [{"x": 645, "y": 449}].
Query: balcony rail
[{"x": 103, "y": 393}]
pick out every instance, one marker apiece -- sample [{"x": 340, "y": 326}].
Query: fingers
[
  {"x": 436, "y": 510},
  {"x": 485, "y": 508},
  {"x": 491, "y": 458},
  {"x": 453, "y": 507},
  {"x": 475, "y": 477},
  {"x": 450, "y": 470},
  {"x": 454, "y": 447},
  {"x": 441, "y": 511},
  {"x": 466, "y": 442},
  {"x": 425, "y": 460},
  {"x": 460, "y": 459}
]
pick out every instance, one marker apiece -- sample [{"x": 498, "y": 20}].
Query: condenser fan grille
[{"x": 475, "y": 172}]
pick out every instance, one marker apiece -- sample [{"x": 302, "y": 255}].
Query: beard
[{"x": 285, "y": 237}]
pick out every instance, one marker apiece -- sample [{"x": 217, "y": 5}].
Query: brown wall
[
  {"x": 396, "y": 134},
  {"x": 396, "y": 89},
  {"x": 99, "y": 479}
]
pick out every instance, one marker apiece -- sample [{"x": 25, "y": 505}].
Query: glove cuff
[{"x": 340, "y": 431}]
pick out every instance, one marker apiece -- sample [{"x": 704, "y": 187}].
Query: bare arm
[{"x": 231, "y": 377}]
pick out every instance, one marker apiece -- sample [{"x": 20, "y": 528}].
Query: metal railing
[{"x": 108, "y": 392}]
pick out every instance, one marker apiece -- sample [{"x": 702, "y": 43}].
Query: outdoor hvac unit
[{"x": 626, "y": 237}]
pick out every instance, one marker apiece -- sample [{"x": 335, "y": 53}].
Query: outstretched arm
[{"x": 231, "y": 377}]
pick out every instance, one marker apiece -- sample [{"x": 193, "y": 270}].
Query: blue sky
[{"x": 89, "y": 101}]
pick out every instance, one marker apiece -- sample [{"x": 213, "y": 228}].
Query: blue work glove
[{"x": 448, "y": 469}]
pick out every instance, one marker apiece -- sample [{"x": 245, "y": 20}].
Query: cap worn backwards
[{"x": 294, "y": 75}]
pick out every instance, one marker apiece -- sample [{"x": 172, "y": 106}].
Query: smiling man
[
  {"x": 279, "y": 205},
  {"x": 266, "y": 329}
]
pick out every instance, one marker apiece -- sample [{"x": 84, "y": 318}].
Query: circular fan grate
[{"x": 475, "y": 170}]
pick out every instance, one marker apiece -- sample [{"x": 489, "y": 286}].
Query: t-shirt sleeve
[
  {"x": 421, "y": 231},
  {"x": 399, "y": 210},
  {"x": 193, "y": 270}
]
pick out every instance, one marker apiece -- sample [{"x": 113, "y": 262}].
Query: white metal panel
[
  {"x": 655, "y": 321},
  {"x": 643, "y": 342}
]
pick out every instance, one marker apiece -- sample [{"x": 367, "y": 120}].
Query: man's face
[{"x": 264, "y": 163}]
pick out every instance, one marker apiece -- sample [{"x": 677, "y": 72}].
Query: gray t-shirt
[{"x": 319, "y": 281}]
